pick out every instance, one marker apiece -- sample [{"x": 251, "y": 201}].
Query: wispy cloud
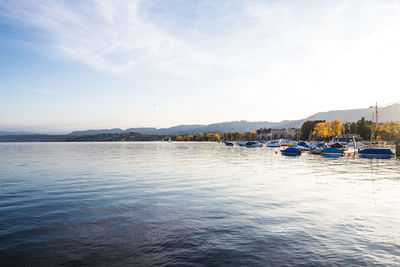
[
  {"x": 106, "y": 35},
  {"x": 285, "y": 48}
]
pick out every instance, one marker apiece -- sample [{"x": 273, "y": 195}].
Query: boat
[
  {"x": 316, "y": 150},
  {"x": 331, "y": 151},
  {"x": 286, "y": 143},
  {"x": 303, "y": 145},
  {"x": 356, "y": 144},
  {"x": 376, "y": 153},
  {"x": 273, "y": 143},
  {"x": 291, "y": 151},
  {"x": 241, "y": 143},
  {"x": 339, "y": 146},
  {"x": 253, "y": 144},
  {"x": 228, "y": 143}
]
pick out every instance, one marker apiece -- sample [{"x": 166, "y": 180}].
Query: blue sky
[{"x": 67, "y": 65}]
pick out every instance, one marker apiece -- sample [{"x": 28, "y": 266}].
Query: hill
[{"x": 388, "y": 113}]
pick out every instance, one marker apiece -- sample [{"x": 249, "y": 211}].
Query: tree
[
  {"x": 321, "y": 130},
  {"x": 389, "y": 131},
  {"x": 216, "y": 137},
  {"x": 188, "y": 137},
  {"x": 335, "y": 128},
  {"x": 363, "y": 128},
  {"x": 307, "y": 128},
  {"x": 207, "y": 136},
  {"x": 199, "y": 137},
  {"x": 253, "y": 135}
]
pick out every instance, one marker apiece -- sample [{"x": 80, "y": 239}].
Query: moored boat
[
  {"x": 331, "y": 151},
  {"x": 253, "y": 144},
  {"x": 339, "y": 146},
  {"x": 273, "y": 143},
  {"x": 228, "y": 143},
  {"x": 376, "y": 153},
  {"x": 316, "y": 150},
  {"x": 291, "y": 151}
]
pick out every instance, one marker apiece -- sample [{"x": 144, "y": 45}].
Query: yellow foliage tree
[
  {"x": 321, "y": 130},
  {"x": 253, "y": 135},
  {"x": 216, "y": 137},
  {"x": 335, "y": 128},
  {"x": 391, "y": 130},
  {"x": 179, "y": 138},
  {"x": 188, "y": 137}
]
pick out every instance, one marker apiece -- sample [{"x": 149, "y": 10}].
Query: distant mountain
[
  {"x": 16, "y": 133},
  {"x": 91, "y": 132},
  {"x": 232, "y": 126},
  {"x": 388, "y": 113}
]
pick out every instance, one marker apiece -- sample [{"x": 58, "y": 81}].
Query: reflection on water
[{"x": 194, "y": 203}]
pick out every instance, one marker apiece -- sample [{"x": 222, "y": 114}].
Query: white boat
[
  {"x": 253, "y": 144},
  {"x": 274, "y": 143},
  {"x": 358, "y": 144},
  {"x": 332, "y": 152},
  {"x": 241, "y": 143}
]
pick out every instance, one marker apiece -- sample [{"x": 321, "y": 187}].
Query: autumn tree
[
  {"x": 252, "y": 135},
  {"x": 188, "y": 137},
  {"x": 390, "y": 130},
  {"x": 335, "y": 128},
  {"x": 321, "y": 130}
]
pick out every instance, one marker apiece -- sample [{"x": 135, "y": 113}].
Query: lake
[{"x": 182, "y": 203}]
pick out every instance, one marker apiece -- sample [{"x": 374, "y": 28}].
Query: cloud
[
  {"x": 106, "y": 35},
  {"x": 289, "y": 49}
]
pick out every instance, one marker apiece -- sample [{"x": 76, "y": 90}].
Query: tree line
[{"x": 323, "y": 130}]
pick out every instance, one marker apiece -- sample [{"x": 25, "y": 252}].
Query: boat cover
[
  {"x": 331, "y": 150},
  {"x": 376, "y": 151}
]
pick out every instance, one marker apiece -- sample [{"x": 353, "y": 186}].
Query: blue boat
[
  {"x": 331, "y": 151},
  {"x": 376, "y": 153},
  {"x": 253, "y": 144},
  {"x": 303, "y": 144},
  {"x": 320, "y": 144},
  {"x": 228, "y": 143},
  {"x": 291, "y": 151}
]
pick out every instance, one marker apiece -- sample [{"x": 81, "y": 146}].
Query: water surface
[{"x": 194, "y": 204}]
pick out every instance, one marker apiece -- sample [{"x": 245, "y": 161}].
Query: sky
[{"x": 74, "y": 65}]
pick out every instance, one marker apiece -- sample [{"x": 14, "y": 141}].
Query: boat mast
[
  {"x": 376, "y": 115},
  {"x": 376, "y": 120}
]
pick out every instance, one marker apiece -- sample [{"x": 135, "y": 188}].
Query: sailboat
[{"x": 375, "y": 152}]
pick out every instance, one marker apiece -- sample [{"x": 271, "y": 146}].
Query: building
[{"x": 347, "y": 138}]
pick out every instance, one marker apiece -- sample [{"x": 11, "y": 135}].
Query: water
[{"x": 194, "y": 204}]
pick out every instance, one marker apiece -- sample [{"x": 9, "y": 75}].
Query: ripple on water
[{"x": 194, "y": 204}]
